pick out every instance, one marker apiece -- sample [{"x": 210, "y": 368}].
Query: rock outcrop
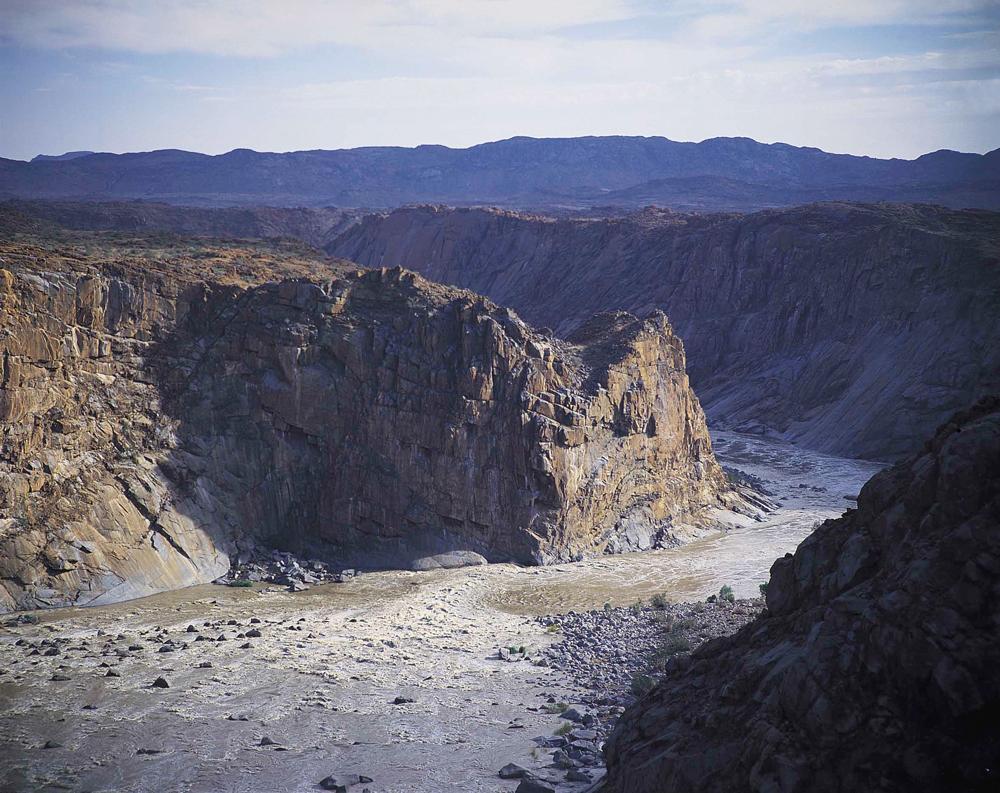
[
  {"x": 852, "y": 329},
  {"x": 875, "y": 665},
  {"x": 157, "y": 424}
]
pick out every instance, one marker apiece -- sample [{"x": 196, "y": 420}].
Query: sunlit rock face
[
  {"x": 157, "y": 423},
  {"x": 850, "y": 329},
  {"x": 874, "y": 666}
]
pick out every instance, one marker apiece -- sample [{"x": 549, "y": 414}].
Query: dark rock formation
[
  {"x": 721, "y": 173},
  {"x": 875, "y": 665},
  {"x": 851, "y": 329},
  {"x": 157, "y": 425}
]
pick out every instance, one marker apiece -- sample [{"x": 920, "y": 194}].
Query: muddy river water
[{"x": 321, "y": 680}]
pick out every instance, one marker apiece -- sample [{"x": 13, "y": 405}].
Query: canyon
[
  {"x": 178, "y": 401},
  {"x": 853, "y": 329},
  {"x": 169, "y": 409}
]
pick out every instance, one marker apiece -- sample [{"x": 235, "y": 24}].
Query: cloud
[
  {"x": 309, "y": 74},
  {"x": 264, "y": 28}
]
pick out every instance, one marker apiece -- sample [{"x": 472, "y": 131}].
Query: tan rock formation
[
  {"x": 850, "y": 329},
  {"x": 155, "y": 424}
]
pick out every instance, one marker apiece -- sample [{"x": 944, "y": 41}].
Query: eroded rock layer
[
  {"x": 852, "y": 329},
  {"x": 156, "y": 424},
  {"x": 875, "y": 665}
]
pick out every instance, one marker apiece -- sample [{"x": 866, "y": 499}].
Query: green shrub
[
  {"x": 607, "y": 606},
  {"x": 241, "y": 582},
  {"x": 666, "y": 620},
  {"x": 659, "y": 601},
  {"x": 726, "y": 593},
  {"x": 556, "y": 707},
  {"x": 675, "y": 644},
  {"x": 636, "y": 607},
  {"x": 562, "y": 729},
  {"x": 641, "y": 685},
  {"x": 763, "y": 589},
  {"x": 555, "y": 627},
  {"x": 670, "y": 648}
]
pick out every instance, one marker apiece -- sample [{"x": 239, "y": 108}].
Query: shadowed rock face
[
  {"x": 852, "y": 329},
  {"x": 875, "y": 666},
  {"x": 155, "y": 424}
]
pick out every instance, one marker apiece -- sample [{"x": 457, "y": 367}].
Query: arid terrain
[
  {"x": 321, "y": 678},
  {"x": 465, "y": 396},
  {"x": 275, "y": 520}
]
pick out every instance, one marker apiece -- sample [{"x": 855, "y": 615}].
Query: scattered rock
[
  {"x": 341, "y": 783},
  {"x": 532, "y": 784},
  {"x": 512, "y": 771}
]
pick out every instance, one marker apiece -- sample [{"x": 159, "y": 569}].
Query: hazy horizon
[
  {"x": 473, "y": 145},
  {"x": 884, "y": 78}
]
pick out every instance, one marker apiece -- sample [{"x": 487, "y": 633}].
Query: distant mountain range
[{"x": 567, "y": 173}]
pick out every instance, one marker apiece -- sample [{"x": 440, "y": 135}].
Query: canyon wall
[
  {"x": 156, "y": 425},
  {"x": 852, "y": 329},
  {"x": 875, "y": 664}
]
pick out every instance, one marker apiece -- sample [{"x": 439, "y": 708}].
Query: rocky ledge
[
  {"x": 160, "y": 428},
  {"x": 875, "y": 664}
]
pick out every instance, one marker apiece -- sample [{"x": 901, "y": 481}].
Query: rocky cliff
[
  {"x": 853, "y": 329},
  {"x": 166, "y": 410},
  {"x": 875, "y": 665}
]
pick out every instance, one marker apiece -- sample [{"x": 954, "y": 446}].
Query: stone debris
[{"x": 876, "y": 661}]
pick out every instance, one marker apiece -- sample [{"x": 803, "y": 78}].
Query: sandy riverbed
[{"x": 321, "y": 679}]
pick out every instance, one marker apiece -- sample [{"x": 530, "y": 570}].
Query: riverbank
[{"x": 395, "y": 676}]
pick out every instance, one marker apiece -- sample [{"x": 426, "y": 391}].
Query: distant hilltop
[
  {"x": 70, "y": 155},
  {"x": 735, "y": 174}
]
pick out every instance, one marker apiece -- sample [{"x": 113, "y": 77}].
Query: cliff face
[
  {"x": 155, "y": 424},
  {"x": 875, "y": 664},
  {"x": 852, "y": 329}
]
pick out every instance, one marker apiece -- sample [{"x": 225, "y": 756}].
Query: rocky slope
[
  {"x": 874, "y": 666},
  {"x": 166, "y": 410},
  {"x": 317, "y": 227},
  {"x": 720, "y": 173},
  {"x": 853, "y": 329}
]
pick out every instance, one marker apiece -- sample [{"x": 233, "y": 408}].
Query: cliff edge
[{"x": 875, "y": 664}]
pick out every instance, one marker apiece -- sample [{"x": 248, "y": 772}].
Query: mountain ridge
[{"x": 519, "y": 172}]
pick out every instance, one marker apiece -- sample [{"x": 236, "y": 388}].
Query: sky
[{"x": 887, "y": 78}]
